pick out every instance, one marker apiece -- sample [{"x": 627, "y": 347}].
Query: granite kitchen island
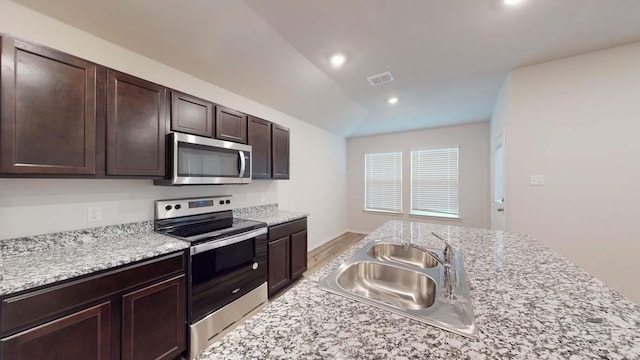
[{"x": 529, "y": 303}]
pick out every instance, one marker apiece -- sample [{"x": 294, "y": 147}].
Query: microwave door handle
[{"x": 242, "y": 163}]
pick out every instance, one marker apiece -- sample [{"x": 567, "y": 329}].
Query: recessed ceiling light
[
  {"x": 511, "y": 2},
  {"x": 392, "y": 100},
  {"x": 337, "y": 60}
]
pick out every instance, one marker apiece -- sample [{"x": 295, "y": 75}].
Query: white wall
[
  {"x": 35, "y": 206},
  {"x": 474, "y": 173},
  {"x": 576, "y": 121}
]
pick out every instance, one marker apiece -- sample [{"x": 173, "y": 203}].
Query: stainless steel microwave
[{"x": 197, "y": 160}]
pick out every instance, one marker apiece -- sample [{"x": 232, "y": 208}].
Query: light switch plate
[{"x": 536, "y": 180}]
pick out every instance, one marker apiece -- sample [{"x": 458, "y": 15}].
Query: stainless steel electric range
[{"x": 227, "y": 266}]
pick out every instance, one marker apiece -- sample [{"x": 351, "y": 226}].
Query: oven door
[
  {"x": 224, "y": 270},
  {"x": 200, "y": 160}
]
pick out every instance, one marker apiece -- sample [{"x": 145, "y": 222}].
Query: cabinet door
[
  {"x": 191, "y": 115},
  {"x": 153, "y": 325},
  {"x": 231, "y": 125},
  {"x": 298, "y": 254},
  {"x": 259, "y": 135},
  {"x": 48, "y": 111},
  {"x": 280, "y": 151},
  {"x": 279, "y": 270},
  {"x": 81, "y": 335},
  {"x": 135, "y": 126}
]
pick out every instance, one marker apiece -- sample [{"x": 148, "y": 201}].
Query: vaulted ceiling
[{"x": 448, "y": 58}]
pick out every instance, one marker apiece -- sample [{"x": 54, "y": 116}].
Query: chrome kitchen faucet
[{"x": 450, "y": 278}]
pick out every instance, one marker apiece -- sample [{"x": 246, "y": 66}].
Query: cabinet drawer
[
  {"x": 22, "y": 311},
  {"x": 286, "y": 229}
]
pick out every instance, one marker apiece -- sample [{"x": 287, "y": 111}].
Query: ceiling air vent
[{"x": 380, "y": 79}]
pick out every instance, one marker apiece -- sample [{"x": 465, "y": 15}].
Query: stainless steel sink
[
  {"x": 391, "y": 285},
  {"x": 408, "y": 282},
  {"x": 396, "y": 253}
]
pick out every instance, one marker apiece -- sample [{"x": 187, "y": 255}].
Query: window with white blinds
[
  {"x": 383, "y": 182},
  {"x": 434, "y": 182}
]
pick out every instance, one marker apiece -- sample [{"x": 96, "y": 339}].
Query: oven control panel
[
  {"x": 200, "y": 203},
  {"x": 171, "y": 208}
]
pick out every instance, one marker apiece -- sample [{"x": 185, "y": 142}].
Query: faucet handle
[
  {"x": 448, "y": 249},
  {"x": 450, "y": 282},
  {"x": 448, "y": 253}
]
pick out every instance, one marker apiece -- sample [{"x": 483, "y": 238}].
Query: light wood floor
[{"x": 321, "y": 255}]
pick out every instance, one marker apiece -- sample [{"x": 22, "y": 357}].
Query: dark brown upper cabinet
[
  {"x": 135, "y": 126},
  {"x": 280, "y": 151},
  {"x": 259, "y": 135},
  {"x": 231, "y": 125},
  {"x": 191, "y": 115},
  {"x": 48, "y": 111}
]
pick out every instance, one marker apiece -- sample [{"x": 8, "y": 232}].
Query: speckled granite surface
[
  {"x": 39, "y": 260},
  {"x": 269, "y": 214},
  {"x": 529, "y": 302}
]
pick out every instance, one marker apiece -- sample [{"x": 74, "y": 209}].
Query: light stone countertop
[
  {"x": 269, "y": 214},
  {"x": 529, "y": 303},
  {"x": 30, "y": 262}
]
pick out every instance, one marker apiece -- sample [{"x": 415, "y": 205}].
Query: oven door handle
[{"x": 227, "y": 241}]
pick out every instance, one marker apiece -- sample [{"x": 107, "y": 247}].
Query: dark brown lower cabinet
[
  {"x": 287, "y": 253},
  {"x": 279, "y": 270},
  {"x": 133, "y": 312},
  {"x": 298, "y": 254},
  {"x": 154, "y": 321},
  {"x": 81, "y": 335}
]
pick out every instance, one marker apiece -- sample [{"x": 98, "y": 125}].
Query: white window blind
[
  {"x": 383, "y": 182},
  {"x": 434, "y": 182}
]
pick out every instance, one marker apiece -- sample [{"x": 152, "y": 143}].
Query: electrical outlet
[
  {"x": 536, "y": 180},
  {"x": 94, "y": 214}
]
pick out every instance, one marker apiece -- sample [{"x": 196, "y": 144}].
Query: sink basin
[
  {"x": 396, "y": 253},
  {"x": 408, "y": 282},
  {"x": 395, "y": 286}
]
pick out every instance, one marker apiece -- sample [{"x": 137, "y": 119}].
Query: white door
[{"x": 497, "y": 177}]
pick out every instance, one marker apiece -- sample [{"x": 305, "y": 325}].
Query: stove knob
[
  {"x": 168, "y": 207},
  {"x": 254, "y": 266},
  {"x": 221, "y": 202},
  {"x": 228, "y": 201},
  {"x": 178, "y": 206}
]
